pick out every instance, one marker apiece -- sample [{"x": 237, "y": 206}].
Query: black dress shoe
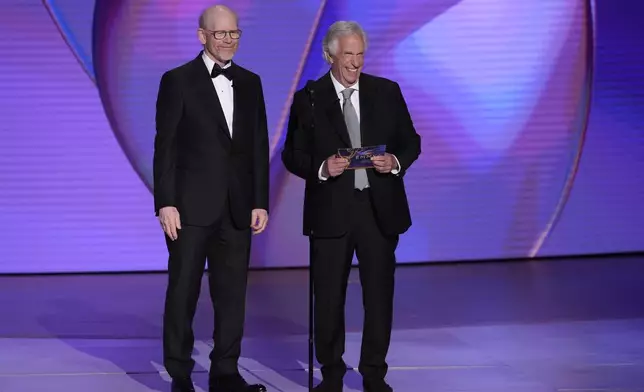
[
  {"x": 376, "y": 386},
  {"x": 182, "y": 385},
  {"x": 233, "y": 384}
]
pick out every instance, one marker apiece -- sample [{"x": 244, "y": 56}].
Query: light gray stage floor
[{"x": 566, "y": 325}]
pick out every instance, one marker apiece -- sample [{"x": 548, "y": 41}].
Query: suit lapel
[
  {"x": 367, "y": 95},
  {"x": 208, "y": 96},
  {"x": 333, "y": 110},
  {"x": 240, "y": 99}
]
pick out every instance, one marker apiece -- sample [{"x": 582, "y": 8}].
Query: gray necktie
[{"x": 353, "y": 126}]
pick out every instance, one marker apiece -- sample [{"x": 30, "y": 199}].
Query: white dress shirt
[
  {"x": 355, "y": 100},
  {"x": 224, "y": 89}
]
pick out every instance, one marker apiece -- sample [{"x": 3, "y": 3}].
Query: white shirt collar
[
  {"x": 211, "y": 64},
  {"x": 339, "y": 87}
]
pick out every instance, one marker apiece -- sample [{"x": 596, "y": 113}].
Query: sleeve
[
  {"x": 297, "y": 152},
  {"x": 169, "y": 107},
  {"x": 408, "y": 146},
  {"x": 261, "y": 155}
]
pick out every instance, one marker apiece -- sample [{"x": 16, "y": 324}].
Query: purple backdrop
[{"x": 530, "y": 116}]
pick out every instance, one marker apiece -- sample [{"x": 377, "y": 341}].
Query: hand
[
  {"x": 258, "y": 220},
  {"x": 335, "y": 165},
  {"x": 170, "y": 222},
  {"x": 384, "y": 163}
]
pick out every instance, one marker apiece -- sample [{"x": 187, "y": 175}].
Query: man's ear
[
  {"x": 328, "y": 58},
  {"x": 202, "y": 36}
]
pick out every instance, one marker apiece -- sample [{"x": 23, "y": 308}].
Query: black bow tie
[{"x": 217, "y": 70}]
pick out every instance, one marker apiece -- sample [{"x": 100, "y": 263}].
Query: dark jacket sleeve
[
  {"x": 261, "y": 154},
  {"x": 169, "y": 107},
  {"x": 408, "y": 145},
  {"x": 297, "y": 154}
]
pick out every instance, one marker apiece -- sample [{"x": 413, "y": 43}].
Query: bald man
[{"x": 211, "y": 195}]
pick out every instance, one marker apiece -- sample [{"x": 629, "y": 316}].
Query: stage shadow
[
  {"x": 86, "y": 329},
  {"x": 276, "y": 333},
  {"x": 125, "y": 330}
]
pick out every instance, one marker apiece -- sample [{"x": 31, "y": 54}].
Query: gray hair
[{"x": 337, "y": 30}]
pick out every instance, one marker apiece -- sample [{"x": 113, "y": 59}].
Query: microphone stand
[
  {"x": 311, "y": 319},
  {"x": 310, "y": 92}
]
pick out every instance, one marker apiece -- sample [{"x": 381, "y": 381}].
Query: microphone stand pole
[
  {"x": 310, "y": 91},
  {"x": 311, "y": 320}
]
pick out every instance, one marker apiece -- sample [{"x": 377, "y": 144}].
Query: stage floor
[{"x": 565, "y": 325}]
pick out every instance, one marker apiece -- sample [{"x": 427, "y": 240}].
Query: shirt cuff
[
  {"x": 397, "y": 169},
  {"x": 321, "y": 177}
]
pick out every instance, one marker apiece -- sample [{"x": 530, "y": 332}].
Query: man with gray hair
[
  {"x": 211, "y": 195},
  {"x": 362, "y": 210}
]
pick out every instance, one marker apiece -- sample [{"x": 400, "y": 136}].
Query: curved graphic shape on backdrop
[
  {"x": 507, "y": 88},
  {"x": 499, "y": 91},
  {"x": 134, "y": 43},
  {"x": 583, "y": 120},
  {"x": 74, "y": 21},
  {"x": 505, "y": 124}
]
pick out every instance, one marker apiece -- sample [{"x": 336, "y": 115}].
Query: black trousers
[
  {"x": 227, "y": 250},
  {"x": 331, "y": 263}
]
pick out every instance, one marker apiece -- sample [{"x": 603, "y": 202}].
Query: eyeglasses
[{"x": 221, "y": 34}]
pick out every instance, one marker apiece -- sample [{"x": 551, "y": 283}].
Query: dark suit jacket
[
  {"x": 384, "y": 119},
  {"x": 197, "y": 165}
]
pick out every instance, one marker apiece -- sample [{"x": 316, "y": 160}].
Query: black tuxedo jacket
[
  {"x": 315, "y": 134},
  {"x": 197, "y": 166}
]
